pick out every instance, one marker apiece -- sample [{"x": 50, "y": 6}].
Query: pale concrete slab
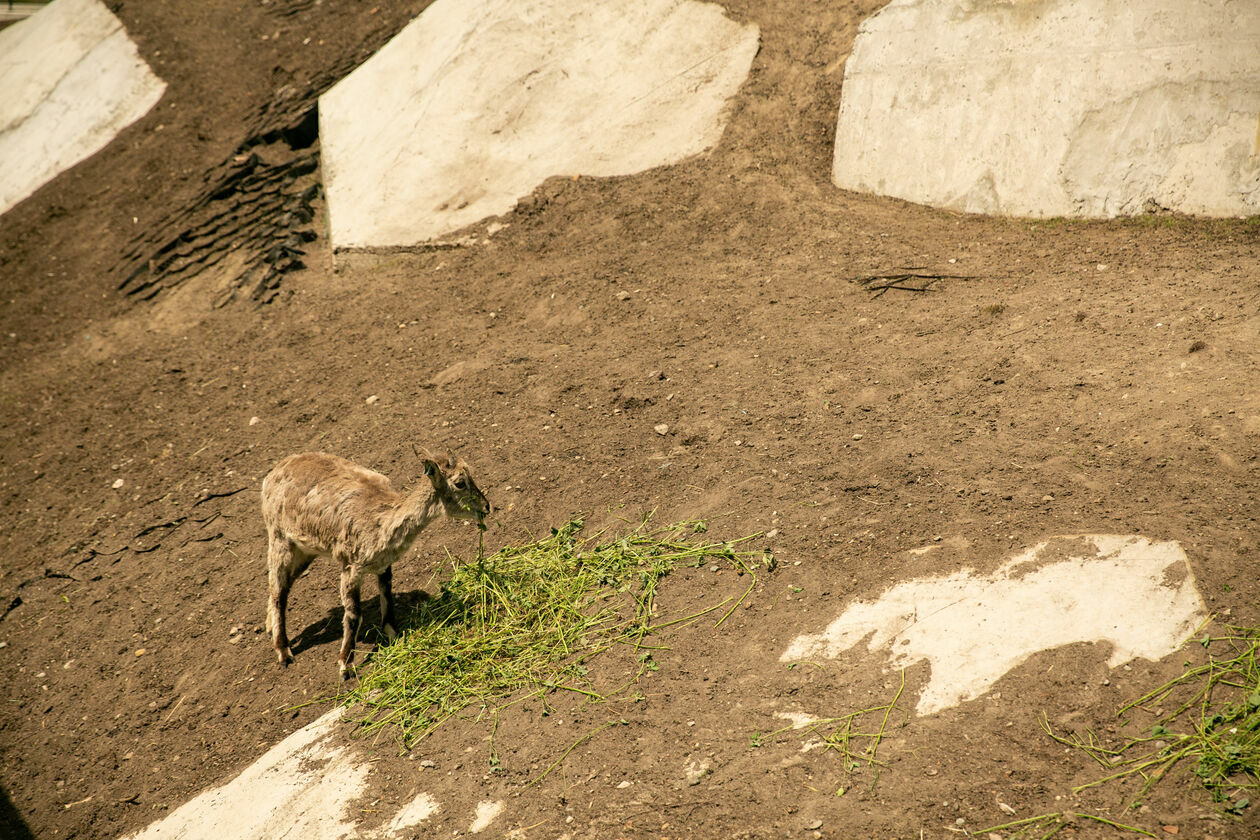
[
  {"x": 476, "y": 102},
  {"x": 299, "y": 790},
  {"x": 1134, "y": 595},
  {"x": 72, "y": 79},
  {"x": 307, "y": 787},
  {"x": 1091, "y": 108}
]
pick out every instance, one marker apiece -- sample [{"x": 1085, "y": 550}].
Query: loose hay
[
  {"x": 1215, "y": 726},
  {"x": 528, "y": 620}
]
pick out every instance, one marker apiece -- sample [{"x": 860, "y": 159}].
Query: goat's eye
[{"x": 459, "y": 483}]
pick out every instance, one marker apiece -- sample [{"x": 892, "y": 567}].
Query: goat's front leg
[
  {"x": 385, "y": 582},
  {"x": 350, "y": 623}
]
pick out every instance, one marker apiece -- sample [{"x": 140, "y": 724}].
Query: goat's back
[{"x": 319, "y": 500}]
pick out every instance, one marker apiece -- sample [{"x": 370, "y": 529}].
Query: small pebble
[
  {"x": 772, "y": 533},
  {"x": 857, "y": 437},
  {"x": 372, "y": 400},
  {"x": 624, "y": 785},
  {"x": 814, "y": 826},
  {"x": 118, "y": 483},
  {"x": 254, "y": 421},
  {"x": 661, "y": 429}
]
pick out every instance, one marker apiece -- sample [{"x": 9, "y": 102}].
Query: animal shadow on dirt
[{"x": 322, "y": 633}]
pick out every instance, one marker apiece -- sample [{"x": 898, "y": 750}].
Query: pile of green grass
[
  {"x": 528, "y": 619},
  {"x": 1214, "y": 727}
]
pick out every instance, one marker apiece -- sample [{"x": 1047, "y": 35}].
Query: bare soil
[{"x": 1069, "y": 377}]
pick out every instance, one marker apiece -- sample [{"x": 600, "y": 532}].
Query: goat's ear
[{"x": 430, "y": 468}]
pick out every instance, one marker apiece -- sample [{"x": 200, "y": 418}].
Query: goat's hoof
[
  {"x": 390, "y": 632},
  {"x": 285, "y": 656},
  {"x": 348, "y": 673}
]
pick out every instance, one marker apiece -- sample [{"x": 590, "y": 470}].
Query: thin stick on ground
[{"x": 905, "y": 280}]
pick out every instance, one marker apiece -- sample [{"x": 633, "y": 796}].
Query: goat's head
[{"x": 454, "y": 485}]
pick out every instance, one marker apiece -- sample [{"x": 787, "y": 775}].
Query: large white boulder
[
  {"x": 70, "y": 80},
  {"x": 476, "y": 102},
  {"x": 1056, "y": 107}
]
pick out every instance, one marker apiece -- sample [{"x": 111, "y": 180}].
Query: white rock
[
  {"x": 118, "y": 483},
  {"x": 661, "y": 428},
  {"x": 695, "y": 772},
  {"x": 413, "y": 813},
  {"x": 1055, "y": 107},
  {"x": 487, "y": 812},
  {"x": 476, "y": 102},
  {"x": 72, "y": 80},
  {"x": 302, "y": 787}
]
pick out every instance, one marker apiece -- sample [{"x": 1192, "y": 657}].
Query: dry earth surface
[{"x": 1068, "y": 377}]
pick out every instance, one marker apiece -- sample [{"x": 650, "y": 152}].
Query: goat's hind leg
[
  {"x": 350, "y": 623},
  {"x": 284, "y": 564}
]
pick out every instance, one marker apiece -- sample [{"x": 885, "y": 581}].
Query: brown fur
[{"x": 315, "y": 505}]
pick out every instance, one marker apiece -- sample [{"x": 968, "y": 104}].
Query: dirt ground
[{"x": 1070, "y": 377}]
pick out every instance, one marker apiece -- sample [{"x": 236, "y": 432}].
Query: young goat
[{"x": 318, "y": 505}]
